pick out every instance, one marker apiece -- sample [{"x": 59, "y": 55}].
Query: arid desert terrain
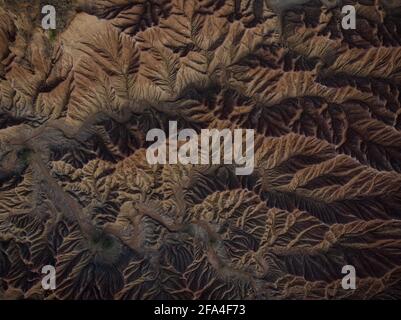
[{"x": 77, "y": 191}]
